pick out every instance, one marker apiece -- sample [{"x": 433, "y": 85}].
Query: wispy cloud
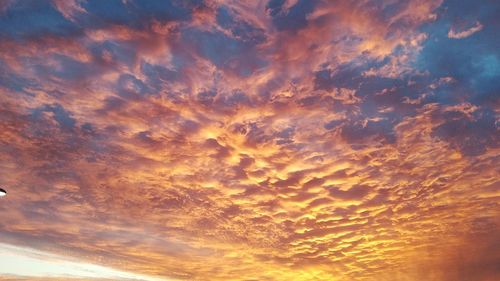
[{"x": 460, "y": 34}]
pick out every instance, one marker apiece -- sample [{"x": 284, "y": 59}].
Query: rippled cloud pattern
[{"x": 252, "y": 140}]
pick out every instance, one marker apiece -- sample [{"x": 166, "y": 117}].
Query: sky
[{"x": 250, "y": 140}]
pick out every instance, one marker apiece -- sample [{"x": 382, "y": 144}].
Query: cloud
[
  {"x": 456, "y": 34},
  {"x": 250, "y": 140}
]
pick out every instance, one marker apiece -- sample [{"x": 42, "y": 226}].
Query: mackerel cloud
[{"x": 253, "y": 140}]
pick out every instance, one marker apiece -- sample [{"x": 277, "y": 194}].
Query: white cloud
[{"x": 455, "y": 34}]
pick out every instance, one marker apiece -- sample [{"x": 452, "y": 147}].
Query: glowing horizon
[{"x": 26, "y": 262}]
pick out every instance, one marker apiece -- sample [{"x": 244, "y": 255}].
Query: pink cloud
[{"x": 457, "y": 34}]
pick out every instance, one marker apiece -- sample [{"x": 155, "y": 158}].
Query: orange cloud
[{"x": 246, "y": 141}]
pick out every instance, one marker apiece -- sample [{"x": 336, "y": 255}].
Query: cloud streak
[{"x": 456, "y": 34}]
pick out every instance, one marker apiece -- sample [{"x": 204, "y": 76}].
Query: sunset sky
[{"x": 266, "y": 140}]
